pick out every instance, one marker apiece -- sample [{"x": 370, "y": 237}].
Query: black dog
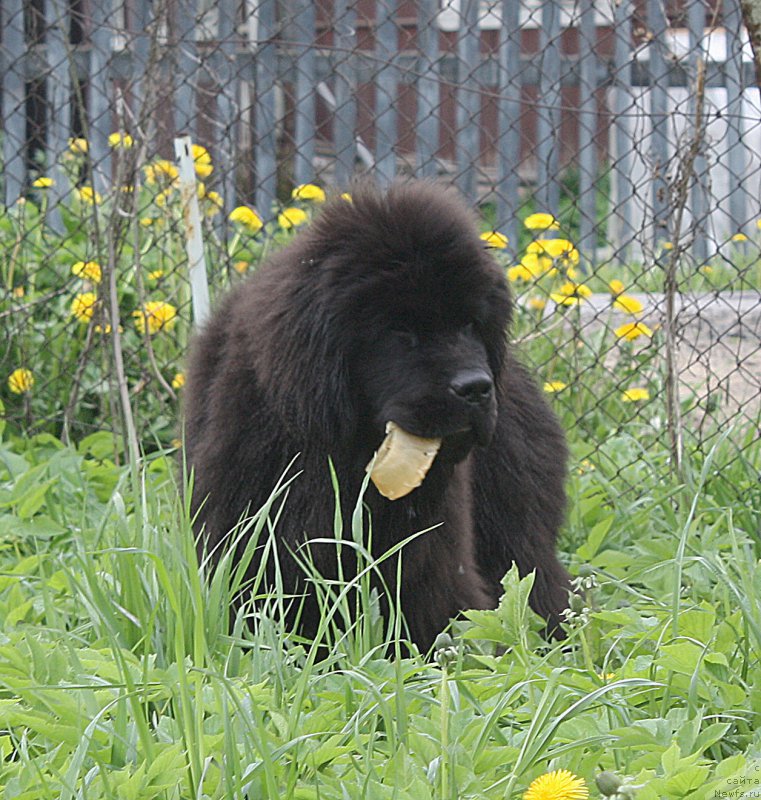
[{"x": 388, "y": 308}]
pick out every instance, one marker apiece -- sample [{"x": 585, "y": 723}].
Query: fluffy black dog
[{"x": 387, "y": 308}]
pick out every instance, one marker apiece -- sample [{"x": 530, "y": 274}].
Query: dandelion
[
  {"x": 18, "y": 292},
  {"x": 707, "y": 269},
  {"x": 571, "y": 294},
  {"x": 739, "y": 237},
  {"x": 156, "y": 275},
  {"x": 291, "y": 218},
  {"x": 560, "y": 249},
  {"x": 758, "y": 224},
  {"x": 178, "y": 381},
  {"x": 105, "y": 329},
  {"x": 667, "y": 245},
  {"x": 20, "y": 381},
  {"x": 541, "y": 222},
  {"x": 155, "y": 315},
  {"x": 551, "y": 387},
  {"x": 146, "y": 222},
  {"x": 83, "y": 306},
  {"x": 247, "y": 217},
  {"x": 241, "y": 266},
  {"x": 537, "y": 303},
  {"x": 558, "y": 785},
  {"x": 628, "y": 304},
  {"x": 122, "y": 140},
  {"x": 633, "y": 330},
  {"x": 519, "y": 273},
  {"x": 308, "y": 191},
  {"x": 88, "y": 195},
  {"x": 43, "y": 183},
  {"x": 495, "y": 239},
  {"x": 201, "y": 161},
  {"x": 87, "y": 270},
  {"x": 160, "y": 171},
  {"x": 214, "y": 203},
  {"x": 162, "y": 198},
  {"x": 636, "y": 394},
  {"x": 78, "y": 147},
  {"x": 616, "y": 287},
  {"x": 346, "y": 196}
]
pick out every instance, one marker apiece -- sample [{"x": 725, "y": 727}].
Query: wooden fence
[{"x": 508, "y": 99}]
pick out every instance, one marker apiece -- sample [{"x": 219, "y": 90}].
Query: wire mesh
[{"x": 613, "y": 147}]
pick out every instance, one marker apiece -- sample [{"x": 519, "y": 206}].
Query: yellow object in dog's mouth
[{"x": 401, "y": 462}]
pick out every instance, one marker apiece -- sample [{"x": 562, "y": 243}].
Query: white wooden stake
[{"x": 191, "y": 219}]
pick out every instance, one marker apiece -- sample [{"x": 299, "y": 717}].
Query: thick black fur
[{"x": 389, "y": 307}]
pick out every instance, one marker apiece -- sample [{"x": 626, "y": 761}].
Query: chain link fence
[{"x": 613, "y": 149}]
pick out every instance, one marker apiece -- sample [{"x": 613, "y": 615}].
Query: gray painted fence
[{"x": 287, "y": 96}]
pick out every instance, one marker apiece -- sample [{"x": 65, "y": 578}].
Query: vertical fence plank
[
  {"x": 185, "y": 78},
  {"x": 13, "y": 107},
  {"x": 696, "y": 22},
  {"x": 59, "y": 104},
  {"x": 736, "y": 157},
  {"x": 100, "y": 102},
  {"x": 659, "y": 143},
  {"x": 587, "y": 130},
  {"x": 548, "y": 111},
  {"x": 141, "y": 53},
  {"x": 345, "y": 116},
  {"x": 386, "y": 47},
  {"x": 265, "y": 147},
  {"x": 427, "y": 89},
  {"x": 621, "y": 230},
  {"x": 304, "y": 93},
  {"x": 223, "y": 142},
  {"x": 508, "y": 123},
  {"x": 468, "y": 99}
]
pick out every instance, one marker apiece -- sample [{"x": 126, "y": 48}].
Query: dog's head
[{"x": 423, "y": 308}]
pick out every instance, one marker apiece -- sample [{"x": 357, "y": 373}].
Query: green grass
[{"x": 120, "y": 679}]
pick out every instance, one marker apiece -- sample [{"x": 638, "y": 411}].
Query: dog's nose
[{"x": 474, "y": 386}]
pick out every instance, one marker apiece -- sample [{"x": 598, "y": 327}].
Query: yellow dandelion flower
[
  {"x": 616, "y": 287},
  {"x": 156, "y": 274},
  {"x": 18, "y": 292},
  {"x": 558, "y": 785},
  {"x": 628, "y": 304},
  {"x": 564, "y": 299},
  {"x": 160, "y": 171},
  {"x": 43, "y": 183},
  {"x": 541, "y": 222},
  {"x": 667, "y": 245},
  {"x": 758, "y": 224},
  {"x": 635, "y": 395},
  {"x": 78, "y": 146},
  {"x": 163, "y": 197},
  {"x": 202, "y": 161},
  {"x": 707, "y": 269},
  {"x": 83, "y": 306},
  {"x": 247, "y": 217},
  {"x": 106, "y": 329},
  {"x": 291, "y": 218},
  {"x": 495, "y": 239},
  {"x": 346, "y": 196},
  {"x": 554, "y": 386},
  {"x": 571, "y": 293},
  {"x": 537, "y": 303},
  {"x": 560, "y": 249},
  {"x": 213, "y": 203},
  {"x": 87, "y": 270},
  {"x": 146, "y": 222},
  {"x": 633, "y": 330},
  {"x": 178, "y": 381},
  {"x": 241, "y": 266},
  {"x": 519, "y": 273},
  {"x": 538, "y": 263},
  {"x": 308, "y": 191},
  {"x": 20, "y": 381},
  {"x": 156, "y": 315},
  {"x": 88, "y": 195},
  {"x": 739, "y": 237},
  {"x": 119, "y": 139}
]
